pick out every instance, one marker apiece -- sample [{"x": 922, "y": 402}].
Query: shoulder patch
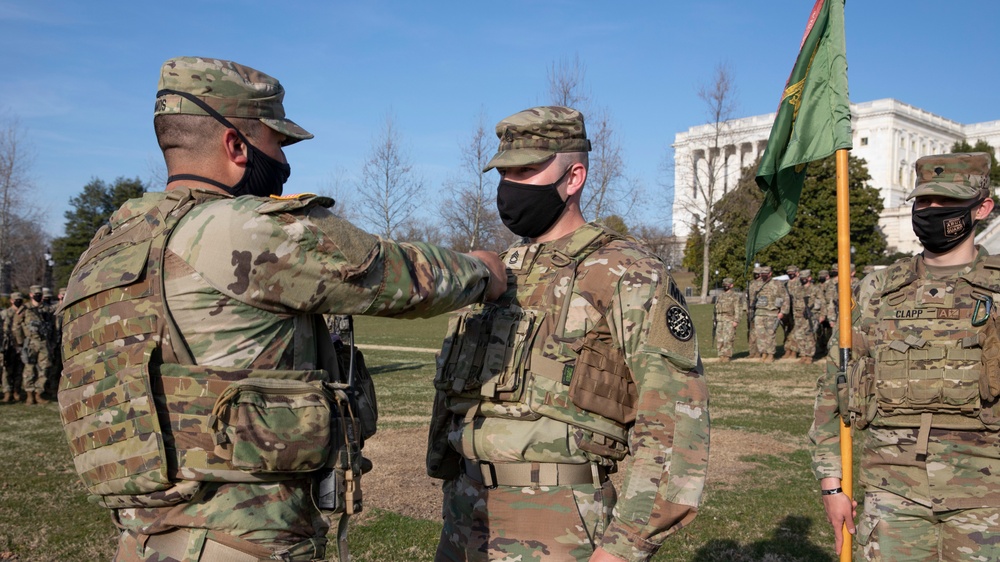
[
  {"x": 285, "y": 203},
  {"x": 671, "y": 330}
]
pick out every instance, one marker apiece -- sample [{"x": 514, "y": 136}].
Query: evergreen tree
[
  {"x": 90, "y": 210},
  {"x": 812, "y": 243}
]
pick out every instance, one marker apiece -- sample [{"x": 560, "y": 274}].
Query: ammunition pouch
[
  {"x": 602, "y": 383},
  {"x": 857, "y": 394},
  {"x": 989, "y": 341}
]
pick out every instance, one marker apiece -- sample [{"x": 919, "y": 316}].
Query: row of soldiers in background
[
  {"x": 804, "y": 309},
  {"x": 30, "y": 343}
]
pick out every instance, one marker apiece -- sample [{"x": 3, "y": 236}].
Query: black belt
[{"x": 534, "y": 473}]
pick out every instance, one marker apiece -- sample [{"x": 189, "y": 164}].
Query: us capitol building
[{"x": 888, "y": 134}]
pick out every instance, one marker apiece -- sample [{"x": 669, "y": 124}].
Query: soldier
[
  {"x": 52, "y": 342},
  {"x": 808, "y": 315},
  {"x": 11, "y": 354},
  {"x": 788, "y": 323},
  {"x": 823, "y": 330},
  {"x": 771, "y": 307},
  {"x": 33, "y": 327},
  {"x": 753, "y": 289},
  {"x": 590, "y": 356},
  {"x": 238, "y": 322},
  {"x": 923, "y": 384},
  {"x": 728, "y": 310}
]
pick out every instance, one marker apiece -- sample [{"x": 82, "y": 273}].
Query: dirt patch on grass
[{"x": 398, "y": 482}]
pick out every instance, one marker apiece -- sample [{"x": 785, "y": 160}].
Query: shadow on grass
[
  {"x": 789, "y": 542},
  {"x": 393, "y": 367}
]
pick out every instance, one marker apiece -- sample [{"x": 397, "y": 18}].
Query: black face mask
[
  {"x": 803, "y": 281},
  {"x": 530, "y": 210},
  {"x": 263, "y": 175},
  {"x": 940, "y": 229}
]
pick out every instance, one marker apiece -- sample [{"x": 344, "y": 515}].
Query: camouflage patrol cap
[
  {"x": 757, "y": 269},
  {"x": 964, "y": 175},
  {"x": 806, "y": 273},
  {"x": 15, "y": 296},
  {"x": 835, "y": 266},
  {"x": 536, "y": 135},
  {"x": 231, "y": 89},
  {"x": 792, "y": 269},
  {"x": 824, "y": 273},
  {"x": 765, "y": 270},
  {"x": 727, "y": 281},
  {"x": 35, "y": 289},
  {"x": 46, "y": 292}
]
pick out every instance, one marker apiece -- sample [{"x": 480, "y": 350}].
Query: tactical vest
[
  {"x": 144, "y": 424},
  {"x": 927, "y": 365},
  {"x": 513, "y": 360}
]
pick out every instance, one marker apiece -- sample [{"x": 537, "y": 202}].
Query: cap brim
[
  {"x": 951, "y": 190},
  {"x": 288, "y": 128},
  {"x": 519, "y": 157}
]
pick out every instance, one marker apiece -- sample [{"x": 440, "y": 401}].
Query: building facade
[{"x": 888, "y": 134}]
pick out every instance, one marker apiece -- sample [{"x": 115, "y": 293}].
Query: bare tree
[
  {"x": 469, "y": 213},
  {"x": 566, "y": 84},
  {"x": 387, "y": 188},
  {"x": 22, "y": 242},
  {"x": 706, "y": 173},
  {"x": 609, "y": 190}
]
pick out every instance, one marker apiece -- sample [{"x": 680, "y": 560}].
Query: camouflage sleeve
[
  {"x": 670, "y": 437},
  {"x": 825, "y": 430},
  {"x": 18, "y": 329},
  {"x": 308, "y": 260}
]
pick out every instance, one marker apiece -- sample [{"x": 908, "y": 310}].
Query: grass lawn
[{"x": 761, "y": 503}]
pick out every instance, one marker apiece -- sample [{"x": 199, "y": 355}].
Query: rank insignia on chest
[
  {"x": 679, "y": 323},
  {"x": 517, "y": 257}
]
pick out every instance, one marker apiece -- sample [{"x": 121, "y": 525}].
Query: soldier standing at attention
[
  {"x": 772, "y": 306},
  {"x": 590, "y": 356},
  {"x": 246, "y": 275},
  {"x": 33, "y": 327},
  {"x": 790, "y": 322},
  {"x": 808, "y": 316},
  {"x": 11, "y": 353},
  {"x": 923, "y": 384},
  {"x": 753, "y": 289},
  {"x": 52, "y": 342},
  {"x": 728, "y": 310}
]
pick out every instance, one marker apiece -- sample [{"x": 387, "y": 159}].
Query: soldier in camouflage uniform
[
  {"x": 10, "y": 352},
  {"x": 33, "y": 327},
  {"x": 923, "y": 384},
  {"x": 590, "y": 356},
  {"x": 770, "y": 307},
  {"x": 791, "y": 323},
  {"x": 49, "y": 306},
  {"x": 753, "y": 288},
  {"x": 246, "y": 275},
  {"x": 728, "y": 310},
  {"x": 808, "y": 310},
  {"x": 823, "y": 329}
]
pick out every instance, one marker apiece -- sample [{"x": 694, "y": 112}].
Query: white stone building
[{"x": 888, "y": 134}]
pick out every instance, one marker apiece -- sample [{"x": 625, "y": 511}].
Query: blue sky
[{"x": 80, "y": 77}]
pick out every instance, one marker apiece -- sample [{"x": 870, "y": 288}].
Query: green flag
[{"x": 813, "y": 121}]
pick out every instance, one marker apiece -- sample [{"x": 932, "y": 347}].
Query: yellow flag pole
[{"x": 844, "y": 315}]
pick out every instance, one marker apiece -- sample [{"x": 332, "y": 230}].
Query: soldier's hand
[
  {"x": 497, "y": 284},
  {"x": 840, "y": 510}
]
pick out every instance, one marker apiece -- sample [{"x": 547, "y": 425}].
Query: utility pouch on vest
[
  {"x": 989, "y": 340},
  {"x": 484, "y": 352},
  {"x": 443, "y": 461},
  {"x": 602, "y": 383},
  {"x": 857, "y": 395},
  {"x": 363, "y": 389},
  {"x": 273, "y": 425}
]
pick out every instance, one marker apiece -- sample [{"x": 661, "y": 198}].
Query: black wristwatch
[{"x": 832, "y": 491}]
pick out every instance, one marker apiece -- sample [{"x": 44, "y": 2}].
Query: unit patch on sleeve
[{"x": 679, "y": 323}]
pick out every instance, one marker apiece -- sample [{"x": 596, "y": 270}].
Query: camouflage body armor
[
  {"x": 515, "y": 361},
  {"x": 145, "y": 425},
  {"x": 926, "y": 368}
]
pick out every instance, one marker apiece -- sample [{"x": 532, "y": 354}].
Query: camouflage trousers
[
  {"x": 788, "y": 326},
  {"x": 11, "y": 378},
  {"x": 522, "y": 524},
  {"x": 765, "y": 329},
  {"x": 802, "y": 335},
  {"x": 895, "y": 529},
  {"x": 725, "y": 335},
  {"x": 194, "y": 545},
  {"x": 33, "y": 377},
  {"x": 752, "y": 340}
]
